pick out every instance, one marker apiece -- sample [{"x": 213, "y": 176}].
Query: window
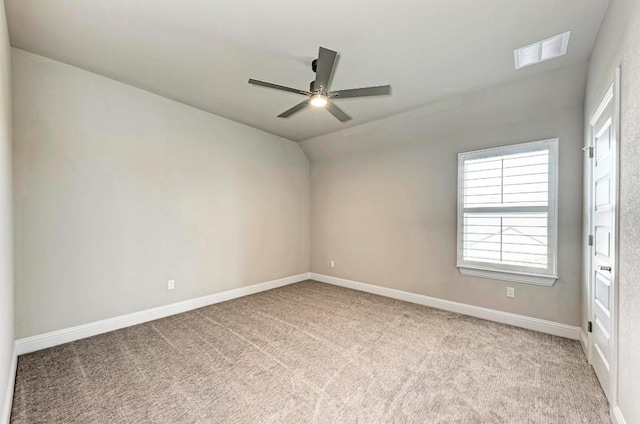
[{"x": 507, "y": 212}]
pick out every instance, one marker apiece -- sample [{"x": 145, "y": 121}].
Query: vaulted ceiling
[{"x": 202, "y": 52}]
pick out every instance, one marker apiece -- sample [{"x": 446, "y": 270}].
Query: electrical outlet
[
  {"x": 511, "y": 292},
  {"x": 333, "y": 264},
  {"x": 171, "y": 284}
]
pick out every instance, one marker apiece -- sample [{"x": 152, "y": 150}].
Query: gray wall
[
  {"x": 6, "y": 237},
  {"x": 618, "y": 43},
  {"x": 118, "y": 190},
  {"x": 384, "y": 194}
]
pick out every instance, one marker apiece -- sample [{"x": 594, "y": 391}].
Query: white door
[{"x": 603, "y": 230}]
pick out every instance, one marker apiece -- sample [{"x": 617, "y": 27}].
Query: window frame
[{"x": 544, "y": 277}]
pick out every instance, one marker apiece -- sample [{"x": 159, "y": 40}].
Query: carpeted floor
[{"x": 311, "y": 353}]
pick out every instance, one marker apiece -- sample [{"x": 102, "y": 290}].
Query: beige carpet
[{"x": 311, "y": 353}]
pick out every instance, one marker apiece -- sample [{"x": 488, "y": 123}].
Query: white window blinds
[{"x": 507, "y": 208}]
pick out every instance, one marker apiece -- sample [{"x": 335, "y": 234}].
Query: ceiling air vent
[{"x": 542, "y": 50}]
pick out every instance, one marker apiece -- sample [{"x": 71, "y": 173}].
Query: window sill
[{"x": 537, "y": 279}]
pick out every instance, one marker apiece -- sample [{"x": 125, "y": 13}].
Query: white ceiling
[{"x": 202, "y": 52}]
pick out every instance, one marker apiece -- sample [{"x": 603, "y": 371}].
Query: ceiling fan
[{"x": 319, "y": 94}]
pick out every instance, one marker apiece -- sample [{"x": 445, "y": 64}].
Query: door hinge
[
  {"x": 590, "y": 240},
  {"x": 590, "y": 150},
  {"x": 590, "y": 327}
]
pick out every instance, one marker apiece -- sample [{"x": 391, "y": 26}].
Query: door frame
[{"x": 611, "y": 94}]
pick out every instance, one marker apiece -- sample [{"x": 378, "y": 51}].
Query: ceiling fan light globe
[{"x": 318, "y": 100}]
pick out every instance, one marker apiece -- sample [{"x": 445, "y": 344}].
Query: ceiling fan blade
[
  {"x": 325, "y": 64},
  {"x": 294, "y": 109},
  {"x": 278, "y": 87},
  {"x": 337, "y": 112},
  {"x": 380, "y": 90}
]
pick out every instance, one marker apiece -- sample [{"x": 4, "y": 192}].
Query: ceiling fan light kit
[
  {"x": 319, "y": 94},
  {"x": 318, "y": 100}
]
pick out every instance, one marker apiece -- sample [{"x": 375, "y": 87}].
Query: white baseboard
[
  {"x": 584, "y": 342},
  {"x": 5, "y": 408},
  {"x": 543, "y": 326},
  {"x": 616, "y": 415},
  {"x": 54, "y": 338}
]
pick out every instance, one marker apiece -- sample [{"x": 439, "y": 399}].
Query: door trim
[{"x": 612, "y": 94}]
